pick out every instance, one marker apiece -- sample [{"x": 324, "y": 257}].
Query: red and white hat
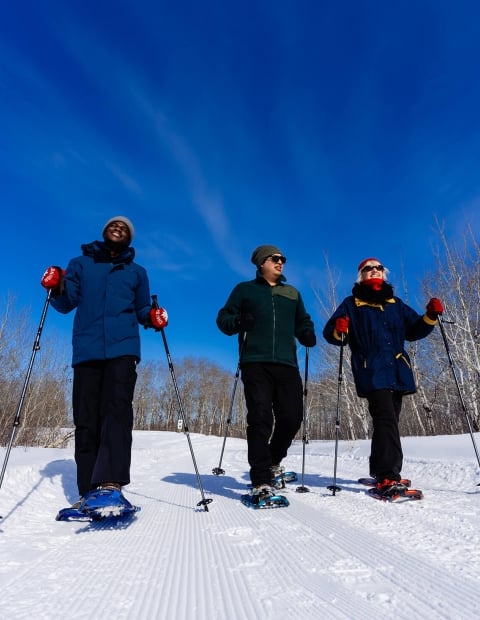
[{"x": 365, "y": 261}]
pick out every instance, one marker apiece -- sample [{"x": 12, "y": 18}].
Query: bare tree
[
  {"x": 206, "y": 389},
  {"x": 456, "y": 281},
  {"x": 44, "y": 412},
  {"x": 435, "y": 408}
]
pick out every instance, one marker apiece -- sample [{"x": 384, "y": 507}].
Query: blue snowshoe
[
  {"x": 263, "y": 496},
  {"x": 107, "y": 503},
  {"x": 73, "y": 513},
  {"x": 280, "y": 477}
]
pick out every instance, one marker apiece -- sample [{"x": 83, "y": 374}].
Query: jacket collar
[
  {"x": 261, "y": 280},
  {"x": 100, "y": 252},
  {"x": 367, "y": 296}
]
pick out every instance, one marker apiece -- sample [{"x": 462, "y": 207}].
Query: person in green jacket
[{"x": 268, "y": 315}]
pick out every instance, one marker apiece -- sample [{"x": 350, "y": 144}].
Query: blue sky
[{"x": 330, "y": 129}]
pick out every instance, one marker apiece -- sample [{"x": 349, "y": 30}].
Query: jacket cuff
[
  {"x": 338, "y": 336},
  {"x": 429, "y": 321}
]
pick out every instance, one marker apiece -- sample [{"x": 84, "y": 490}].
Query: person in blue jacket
[
  {"x": 111, "y": 295},
  {"x": 375, "y": 324}
]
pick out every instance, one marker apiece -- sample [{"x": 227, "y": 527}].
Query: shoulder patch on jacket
[{"x": 285, "y": 290}]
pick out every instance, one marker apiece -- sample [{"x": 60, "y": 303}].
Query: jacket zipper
[{"x": 274, "y": 324}]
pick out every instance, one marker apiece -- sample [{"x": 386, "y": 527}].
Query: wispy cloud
[
  {"x": 125, "y": 179},
  {"x": 140, "y": 110}
]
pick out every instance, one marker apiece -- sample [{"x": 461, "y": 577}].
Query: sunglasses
[
  {"x": 369, "y": 268},
  {"x": 278, "y": 259}
]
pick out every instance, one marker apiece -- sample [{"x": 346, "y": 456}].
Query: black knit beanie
[{"x": 260, "y": 254}]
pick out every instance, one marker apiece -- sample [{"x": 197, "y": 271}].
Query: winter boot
[
  {"x": 74, "y": 512},
  {"x": 106, "y": 500},
  {"x": 390, "y": 488},
  {"x": 405, "y": 481},
  {"x": 261, "y": 492},
  {"x": 277, "y": 470},
  {"x": 278, "y": 476}
]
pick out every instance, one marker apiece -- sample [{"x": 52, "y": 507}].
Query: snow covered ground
[{"x": 343, "y": 556}]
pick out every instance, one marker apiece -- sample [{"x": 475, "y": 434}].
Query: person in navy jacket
[
  {"x": 375, "y": 324},
  {"x": 111, "y": 295}
]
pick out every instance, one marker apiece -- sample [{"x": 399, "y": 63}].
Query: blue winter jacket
[
  {"x": 376, "y": 336},
  {"x": 111, "y": 297}
]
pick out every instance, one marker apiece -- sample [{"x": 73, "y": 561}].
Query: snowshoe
[
  {"x": 394, "y": 491},
  {"x": 107, "y": 502},
  {"x": 274, "y": 501},
  {"x": 371, "y": 482},
  {"x": 279, "y": 481},
  {"x": 280, "y": 477},
  {"x": 73, "y": 513},
  {"x": 264, "y": 496}
]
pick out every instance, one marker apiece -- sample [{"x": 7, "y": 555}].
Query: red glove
[
  {"x": 53, "y": 278},
  {"x": 434, "y": 308},
  {"x": 158, "y": 318},
  {"x": 341, "y": 324}
]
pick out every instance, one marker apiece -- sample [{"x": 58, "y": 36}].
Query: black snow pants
[
  {"x": 274, "y": 399},
  {"x": 103, "y": 417}
]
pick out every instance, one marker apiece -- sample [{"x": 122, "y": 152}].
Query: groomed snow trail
[{"x": 345, "y": 556}]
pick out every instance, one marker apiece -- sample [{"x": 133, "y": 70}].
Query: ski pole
[
  {"x": 302, "y": 488},
  {"x": 204, "y": 502},
  {"x": 218, "y": 471},
  {"x": 333, "y": 487},
  {"x": 441, "y": 321},
  {"x": 16, "y": 422}
]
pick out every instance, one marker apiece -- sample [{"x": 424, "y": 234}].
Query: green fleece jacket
[{"x": 279, "y": 317}]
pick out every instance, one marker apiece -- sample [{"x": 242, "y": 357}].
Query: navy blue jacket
[
  {"x": 111, "y": 298},
  {"x": 376, "y": 336}
]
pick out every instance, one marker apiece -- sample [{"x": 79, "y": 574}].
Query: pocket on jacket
[
  {"x": 402, "y": 357},
  {"x": 405, "y": 378}
]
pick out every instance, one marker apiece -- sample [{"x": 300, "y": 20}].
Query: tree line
[{"x": 207, "y": 390}]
